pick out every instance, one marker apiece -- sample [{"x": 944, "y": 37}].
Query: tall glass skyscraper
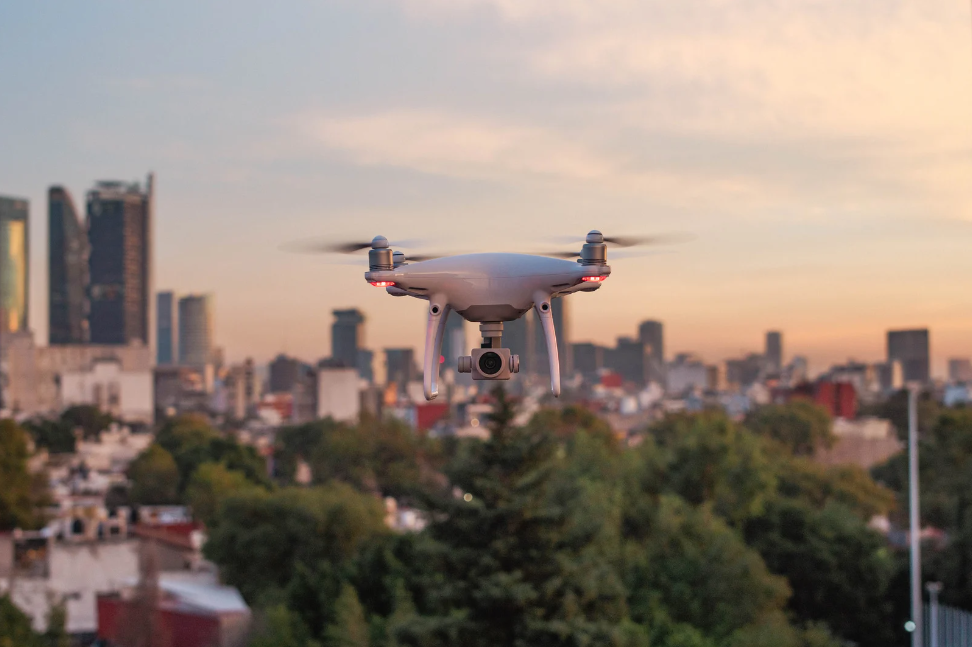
[
  {"x": 165, "y": 333},
  {"x": 119, "y": 221},
  {"x": 14, "y": 265},
  {"x": 67, "y": 270},
  {"x": 196, "y": 330}
]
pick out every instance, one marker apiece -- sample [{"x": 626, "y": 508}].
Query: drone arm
[
  {"x": 438, "y": 313},
  {"x": 541, "y": 301}
]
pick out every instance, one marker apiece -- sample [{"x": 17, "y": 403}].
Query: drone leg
[
  {"x": 541, "y": 302},
  {"x": 438, "y": 313}
]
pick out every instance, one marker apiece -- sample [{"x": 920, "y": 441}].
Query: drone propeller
[
  {"x": 328, "y": 246},
  {"x": 418, "y": 258},
  {"x": 632, "y": 241}
]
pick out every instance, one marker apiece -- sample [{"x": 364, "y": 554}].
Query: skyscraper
[
  {"x": 347, "y": 336},
  {"x": 774, "y": 351},
  {"x": 165, "y": 334},
  {"x": 453, "y": 341},
  {"x": 196, "y": 330},
  {"x": 67, "y": 304},
  {"x": 518, "y": 337},
  {"x": 400, "y": 366},
  {"x": 910, "y": 347},
  {"x": 14, "y": 265},
  {"x": 652, "y": 336},
  {"x": 119, "y": 223}
]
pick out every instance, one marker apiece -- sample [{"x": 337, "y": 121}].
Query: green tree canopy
[
  {"x": 262, "y": 538},
  {"x": 154, "y": 477},
  {"x": 801, "y": 426},
  {"x": 22, "y": 495},
  {"x": 89, "y": 418},
  {"x": 210, "y": 485},
  {"x": 15, "y": 626}
]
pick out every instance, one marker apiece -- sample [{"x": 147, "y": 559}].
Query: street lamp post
[
  {"x": 933, "y": 590},
  {"x": 917, "y": 635}
]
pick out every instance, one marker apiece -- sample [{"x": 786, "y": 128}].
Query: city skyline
[{"x": 833, "y": 208}]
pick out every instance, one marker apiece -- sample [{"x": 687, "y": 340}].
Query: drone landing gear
[
  {"x": 541, "y": 302},
  {"x": 434, "y": 332}
]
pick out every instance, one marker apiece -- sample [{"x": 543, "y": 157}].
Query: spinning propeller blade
[{"x": 329, "y": 246}]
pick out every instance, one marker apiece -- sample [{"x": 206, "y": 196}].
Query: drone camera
[{"x": 490, "y": 364}]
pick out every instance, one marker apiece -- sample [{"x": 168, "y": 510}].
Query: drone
[{"x": 489, "y": 289}]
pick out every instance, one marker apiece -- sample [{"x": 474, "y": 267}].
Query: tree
[
  {"x": 280, "y": 627},
  {"x": 262, "y": 539},
  {"x": 801, "y": 426},
  {"x": 514, "y": 562},
  {"x": 22, "y": 495},
  {"x": 210, "y": 485},
  {"x": 55, "y": 436},
  {"x": 155, "y": 477},
  {"x": 57, "y": 634},
  {"x": 349, "y": 628},
  {"x": 89, "y": 418},
  {"x": 15, "y": 626},
  {"x": 839, "y": 569}
]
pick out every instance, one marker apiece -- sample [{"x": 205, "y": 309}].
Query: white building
[
  {"x": 338, "y": 394},
  {"x": 126, "y": 394},
  {"x": 687, "y": 374}
]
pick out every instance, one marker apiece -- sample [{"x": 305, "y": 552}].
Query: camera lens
[{"x": 490, "y": 363}]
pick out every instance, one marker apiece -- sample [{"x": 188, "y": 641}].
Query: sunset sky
[{"x": 818, "y": 150}]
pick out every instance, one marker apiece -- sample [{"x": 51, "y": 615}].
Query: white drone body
[{"x": 488, "y": 289}]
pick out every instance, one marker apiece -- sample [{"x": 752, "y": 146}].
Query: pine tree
[
  {"x": 515, "y": 566},
  {"x": 350, "y": 629}
]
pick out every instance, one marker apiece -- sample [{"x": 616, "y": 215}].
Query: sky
[{"x": 818, "y": 151}]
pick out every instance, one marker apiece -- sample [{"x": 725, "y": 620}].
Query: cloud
[{"x": 454, "y": 145}]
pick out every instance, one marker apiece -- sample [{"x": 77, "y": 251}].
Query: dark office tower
[
  {"x": 630, "y": 359},
  {"x": 960, "y": 370},
  {"x": 196, "y": 330},
  {"x": 366, "y": 365},
  {"x": 165, "y": 329},
  {"x": 910, "y": 347},
  {"x": 454, "y": 341},
  {"x": 67, "y": 270},
  {"x": 774, "y": 351},
  {"x": 588, "y": 358},
  {"x": 14, "y": 265},
  {"x": 284, "y": 373},
  {"x": 347, "y": 337},
  {"x": 652, "y": 336},
  {"x": 518, "y": 337},
  {"x": 400, "y": 366},
  {"x": 541, "y": 363},
  {"x": 120, "y": 263}
]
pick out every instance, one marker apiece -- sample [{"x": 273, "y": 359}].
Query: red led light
[
  {"x": 383, "y": 284},
  {"x": 593, "y": 279}
]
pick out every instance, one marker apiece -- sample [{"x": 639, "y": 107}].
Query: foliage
[
  {"x": 801, "y": 426},
  {"x": 57, "y": 634},
  {"x": 516, "y": 564},
  {"x": 154, "y": 477},
  {"x": 280, "y": 627},
  {"x": 22, "y": 495},
  {"x": 89, "y": 418},
  {"x": 349, "y": 628},
  {"x": 262, "y": 539},
  {"x": 191, "y": 442},
  {"x": 210, "y": 485},
  {"x": 839, "y": 569},
  {"x": 15, "y": 626},
  {"x": 895, "y": 409},
  {"x": 53, "y": 435},
  {"x": 383, "y": 456}
]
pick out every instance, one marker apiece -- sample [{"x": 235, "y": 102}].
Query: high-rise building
[
  {"x": 561, "y": 319},
  {"x": 774, "y": 351},
  {"x": 911, "y": 348},
  {"x": 400, "y": 366},
  {"x": 960, "y": 370},
  {"x": 284, "y": 372},
  {"x": 629, "y": 359},
  {"x": 652, "y": 335},
  {"x": 366, "y": 365},
  {"x": 518, "y": 337},
  {"x": 588, "y": 358},
  {"x": 196, "y": 330},
  {"x": 166, "y": 329},
  {"x": 67, "y": 270},
  {"x": 347, "y": 336},
  {"x": 454, "y": 341},
  {"x": 119, "y": 224},
  {"x": 14, "y": 264}
]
